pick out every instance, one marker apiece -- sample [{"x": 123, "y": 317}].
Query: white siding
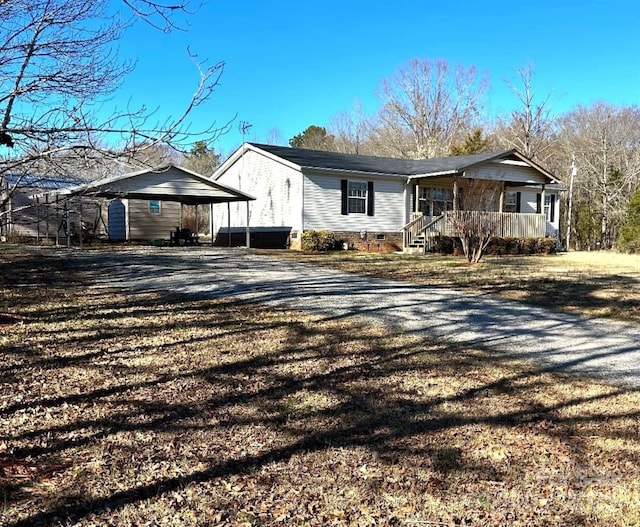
[
  {"x": 529, "y": 203},
  {"x": 504, "y": 172},
  {"x": 277, "y": 187},
  {"x": 323, "y": 205}
]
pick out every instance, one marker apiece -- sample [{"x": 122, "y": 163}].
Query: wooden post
[
  {"x": 416, "y": 205},
  {"x": 501, "y": 204},
  {"x": 542, "y": 200}
]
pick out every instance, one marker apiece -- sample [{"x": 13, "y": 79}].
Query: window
[
  {"x": 357, "y": 197},
  {"x": 549, "y": 206},
  {"x": 511, "y": 202},
  {"x": 424, "y": 200},
  {"x": 442, "y": 200},
  {"x": 154, "y": 207},
  {"x": 434, "y": 201}
]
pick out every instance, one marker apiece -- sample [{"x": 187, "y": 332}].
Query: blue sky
[{"x": 293, "y": 64}]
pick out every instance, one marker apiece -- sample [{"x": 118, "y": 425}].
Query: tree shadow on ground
[{"x": 233, "y": 405}]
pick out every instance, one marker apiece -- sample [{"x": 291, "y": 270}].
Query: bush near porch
[{"x": 504, "y": 246}]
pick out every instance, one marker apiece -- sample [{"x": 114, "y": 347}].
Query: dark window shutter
[
  {"x": 538, "y": 203},
  {"x": 552, "y": 212},
  {"x": 414, "y": 205},
  {"x": 370, "y": 199},
  {"x": 518, "y": 201},
  {"x": 344, "y": 185}
]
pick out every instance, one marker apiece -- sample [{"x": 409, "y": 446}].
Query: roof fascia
[
  {"x": 338, "y": 171},
  {"x": 434, "y": 174}
]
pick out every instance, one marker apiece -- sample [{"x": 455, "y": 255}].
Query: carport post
[
  {"x": 80, "y": 221},
  {"x": 211, "y": 222},
  {"x": 229, "y": 221},
  {"x": 248, "y": 234},
  {"x": 38, "y": 219},
  {"x": 68, "y": 220}
]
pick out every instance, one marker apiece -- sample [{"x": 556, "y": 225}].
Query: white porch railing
[{"x": 502, "y": 224}]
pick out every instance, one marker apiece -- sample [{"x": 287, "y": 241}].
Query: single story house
[{"x": 367, "y": 201}]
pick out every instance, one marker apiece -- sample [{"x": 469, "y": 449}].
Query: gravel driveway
[{"x": 561, "y": 341}]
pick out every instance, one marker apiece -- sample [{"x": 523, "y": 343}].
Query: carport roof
[{"x": 167, "y": 183}]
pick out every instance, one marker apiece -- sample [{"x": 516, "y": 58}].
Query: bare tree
[
  {"x": 530, "y": 128},
  {"x": 474, "y": 228},
  {"x": 428, "y": 105},
  {"x": 58, "y": 68},
  {"x": 350, "y": 131},
  {"x": 605, "y": 141}
]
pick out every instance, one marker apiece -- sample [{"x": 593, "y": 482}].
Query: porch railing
[{"x": 501, "y": 224}]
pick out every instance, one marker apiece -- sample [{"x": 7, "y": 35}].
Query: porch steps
[{"x": 417, "y": 244}]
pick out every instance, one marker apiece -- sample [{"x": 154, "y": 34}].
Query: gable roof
[
  {"x": 168, "y": 183},
  {"x": 303, "y": 158}
]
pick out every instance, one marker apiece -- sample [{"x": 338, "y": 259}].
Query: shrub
[
  {"x": 521, "y": 246},
  {"x": 444, "y": 245},
  {"x": 318, "y": 241}
]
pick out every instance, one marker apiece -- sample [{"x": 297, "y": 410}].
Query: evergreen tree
[
  {"x": 629, "y": 239},
  {"x": 474, "y": 143}
]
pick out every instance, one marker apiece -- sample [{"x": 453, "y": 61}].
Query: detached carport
[{"x": 165, "y": 183}]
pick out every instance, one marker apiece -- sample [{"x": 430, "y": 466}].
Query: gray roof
[
  {"x": 321, "y": 160},
  {"x": 174, "y": 183},
  {"x": 42, "y": 182}
]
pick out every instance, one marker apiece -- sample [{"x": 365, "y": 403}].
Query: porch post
[
  {"x": 416, "y": 205},
  {"x": 501, "y": 205},
  {"x": 542, "y": 199},
  {"x": 455, "y": 193}
]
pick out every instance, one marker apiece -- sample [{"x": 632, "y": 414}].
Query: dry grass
[
  {"x": 158, "y": 410},
  {"x": 591, "y": 283}
]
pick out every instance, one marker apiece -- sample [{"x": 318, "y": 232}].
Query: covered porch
[{"x": 439, "y": 206}]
